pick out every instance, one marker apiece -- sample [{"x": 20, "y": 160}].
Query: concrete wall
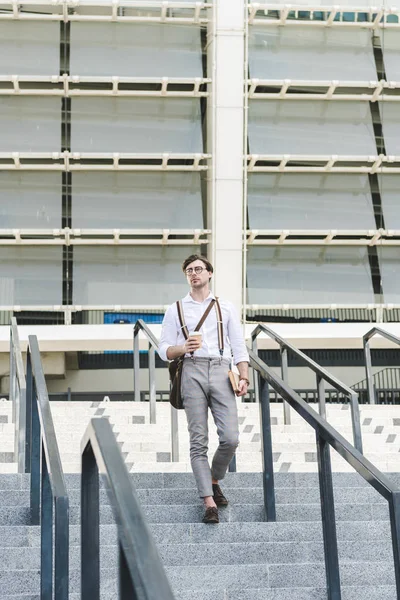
[{"x": 121, "y": 380}]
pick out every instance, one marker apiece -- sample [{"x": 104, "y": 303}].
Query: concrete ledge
[{"x": 72, "y": 338}]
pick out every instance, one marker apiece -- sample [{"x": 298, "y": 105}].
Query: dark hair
[{"x": 194, "y": 257}]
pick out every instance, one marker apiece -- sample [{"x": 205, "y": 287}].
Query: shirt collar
[{"x": 188, "y": 298}]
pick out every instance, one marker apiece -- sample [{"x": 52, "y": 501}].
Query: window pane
[
  {"x": 126, "y": 50},
  {"x": 389, "y": 259},
  {"x": 30, "y": 199},
  {"x": 137, "y": 275},
  {"x": 315, "y": 127},
  {"x": 311, "y": 53},
  {"x": 308, "y": 275},
  {"x": 31, "y": 275},
  {"x": 30, "y": 124},
  {"x": 29, "y": 48},
  {"x": 389, "y": 188},
  {"x": 309, "y": 201},
  {"x": 137, "y": 200},
  {"x": 136, "y": 125},
  {"x": 391, "y": 53},
  {"x": 390, "y": 116}
]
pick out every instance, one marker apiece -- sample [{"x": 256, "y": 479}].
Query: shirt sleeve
[
  {"x": 169, "y": 333},
  {"x": 236, "y": 339}
]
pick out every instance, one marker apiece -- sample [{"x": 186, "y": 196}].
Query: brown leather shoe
[
  {"x": 211, "y": 515},
  {"x": 219, "y": 497}
]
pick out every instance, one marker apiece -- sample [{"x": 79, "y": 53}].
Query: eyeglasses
[{"x": 196, "y": 270}]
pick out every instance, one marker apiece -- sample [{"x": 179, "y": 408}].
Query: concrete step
[
  {"x": 348, "y": 593},
  {"x": 368, "y": 532},
  {"x": 155, "y": 513},
  {"x": 306, "y": 575},
  {"x": 186, "y": 496},
  {"x": 202, "y": 554},
  {"x": 157, "y": 480}
]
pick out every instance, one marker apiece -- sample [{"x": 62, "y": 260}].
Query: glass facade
[{"x": 107, "y": 148}]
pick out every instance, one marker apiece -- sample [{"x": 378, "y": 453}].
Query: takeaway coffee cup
[{"x": 198, "y": 335}]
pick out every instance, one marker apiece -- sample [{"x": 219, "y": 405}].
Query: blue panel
[
  {"x": 132, "y": 317},
  {"x": 123, "y": 318}
]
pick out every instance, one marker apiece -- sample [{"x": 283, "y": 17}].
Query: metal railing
[
  {"x": 48, "y": 492},
  {"x": 385, "y": 379},
  {"x": 322, "y": 377},
  {"x": 326, "y": 437},
  {"x": 141, "y": 574},
  {"x": 18, "y": 399},
  {"x": 140, "y": 326},
  {"x": 372, "y": 396}
]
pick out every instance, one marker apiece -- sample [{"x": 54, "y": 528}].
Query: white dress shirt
[{"x": 234, "y": 344}]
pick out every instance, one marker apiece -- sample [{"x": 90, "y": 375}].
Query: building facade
[{"x": 263, "y": 135}]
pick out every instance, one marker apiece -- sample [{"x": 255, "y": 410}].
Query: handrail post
[
  {"x": 13, "y": 377},
  {"x": 174, "y": 435},
  {"x": 369, "y": 375},
  {"x": 61, "y": 551},
  {"x": 285, "y": 377},
  {"x": 136, "y": 365},
  {"x": 152, "y": 384},
  {"x": 46, "y": 543},
  {"x": 29, "y": 402},
  {"x": 394, "y": 510},
  {"x": 126, "y": 589},
  {"x": 255, "y": 374},
  {"x": 35, "y": 450},
  {"x": 328, "y": 519},
  {"x": 18, "y": 398},
  {"x": 266, "y": 448},
  {"x": 356, "y": 422},
  {"x": 321, "y": 396},
  {"x": 90, "y": 526}
]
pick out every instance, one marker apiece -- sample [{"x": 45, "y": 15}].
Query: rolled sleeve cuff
[
  {"x": 162, "y": 352},
  {"x": 241, "y": 356}
]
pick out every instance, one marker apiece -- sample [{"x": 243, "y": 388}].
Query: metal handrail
[
  {"x": 48, "y": 490},
  {"x": 18, "y": 398},
  {"x": 322, "y": 377},
  {"x": 141, "y": 573},
  {"x": 368, "y": 361},
  {"x": 140, "y": 326},
  {"x": 326, "y": 436}
]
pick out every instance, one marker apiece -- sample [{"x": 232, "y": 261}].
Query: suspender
[{"x": 203, "y": 318}]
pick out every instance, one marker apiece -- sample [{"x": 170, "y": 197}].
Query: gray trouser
[{"x": 205, "y": 383}]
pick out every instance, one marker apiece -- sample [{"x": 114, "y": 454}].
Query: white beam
[
  {"x": 136, "y": 11},
  {"x": 70, "y": 161},
  {"x": 226, "y": 117}
]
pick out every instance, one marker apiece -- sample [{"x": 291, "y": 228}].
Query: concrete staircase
[
  {"x": 147, "y": 448},
  {"x": 242, "y": 558}
]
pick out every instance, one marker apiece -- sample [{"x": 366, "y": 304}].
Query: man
[{"x": 205, "y": 381}]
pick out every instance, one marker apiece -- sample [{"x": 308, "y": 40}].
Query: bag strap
[
  {"x": 220, "y": 327},
  {"x": 204, "y": 317}
]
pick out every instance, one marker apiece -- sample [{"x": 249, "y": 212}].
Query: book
[{"x": 234, "y": 379}]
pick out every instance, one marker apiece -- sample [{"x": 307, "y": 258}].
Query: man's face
[{"x": 197, "y": 280}]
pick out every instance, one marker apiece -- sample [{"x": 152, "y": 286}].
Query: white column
[{"x": 226, "y": 38}]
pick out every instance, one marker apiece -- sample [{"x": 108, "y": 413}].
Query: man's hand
[
  {"x": 243, "y": 386},
  {"x": 192, "y": 344}
]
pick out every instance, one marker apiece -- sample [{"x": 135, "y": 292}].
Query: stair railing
[
  {"x": 48, "y": 491},
  {"x": 141, "y": 573},
  {"x": 326, "y": 437},
  {"x": 368, "y": 361},
  {"x": 18, "y": 398},
  {"x": 140, "y": 326},
  {"x": 322, "y": 377}
]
